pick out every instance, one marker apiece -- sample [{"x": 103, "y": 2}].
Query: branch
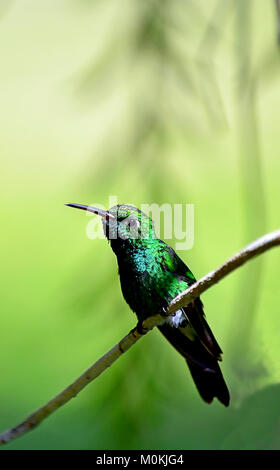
[{"x": 254, "y": 249}]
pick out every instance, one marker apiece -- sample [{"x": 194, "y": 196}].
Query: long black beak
[{"x": 95, "y": 210}]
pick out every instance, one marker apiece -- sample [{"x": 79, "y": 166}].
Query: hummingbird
[{"x": 151, "y": 275}]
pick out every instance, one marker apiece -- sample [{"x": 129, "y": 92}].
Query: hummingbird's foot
[{"x": 140, "y": 329}]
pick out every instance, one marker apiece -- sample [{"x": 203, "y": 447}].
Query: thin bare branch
[{"x": 254, "y": 249}]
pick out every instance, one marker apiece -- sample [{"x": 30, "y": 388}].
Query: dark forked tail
[{"x": 203, "y": 366}]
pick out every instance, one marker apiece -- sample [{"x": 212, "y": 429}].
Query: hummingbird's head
[
  {"x": 129, "y": 223},
  {"x": 123, "y": 223}
]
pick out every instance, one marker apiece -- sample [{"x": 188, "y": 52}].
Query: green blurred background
[{"x": 152, "y": 101}]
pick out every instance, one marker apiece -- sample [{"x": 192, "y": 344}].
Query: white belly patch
[{"x": 176, "y": 319}]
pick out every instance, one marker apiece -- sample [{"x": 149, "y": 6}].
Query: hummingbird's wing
[
  {"x": 196, "y": 316},
  {"x": 194, "y": 310},
  {"x": 189, "y": 333}
]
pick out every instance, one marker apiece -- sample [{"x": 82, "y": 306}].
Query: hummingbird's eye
[
  {"x": 129, "y": 228},
  {"x": 131, "y": 222},
  {"x": 134, "y": 223}
]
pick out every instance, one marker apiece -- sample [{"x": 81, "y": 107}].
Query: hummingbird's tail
[
  {"x": 209, "y": 383},
  {"x": 203, "y": 366}
]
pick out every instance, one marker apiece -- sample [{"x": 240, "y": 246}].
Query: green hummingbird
[{"x": 151, "y": 275}]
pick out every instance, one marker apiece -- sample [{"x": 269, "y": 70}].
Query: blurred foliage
[{"x": 155, "y": 101}]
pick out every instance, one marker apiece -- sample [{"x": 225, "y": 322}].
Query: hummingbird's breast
[{"x": 146, "y": 286}]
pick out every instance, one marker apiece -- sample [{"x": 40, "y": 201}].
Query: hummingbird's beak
[{"x": 95, "y": 210}]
